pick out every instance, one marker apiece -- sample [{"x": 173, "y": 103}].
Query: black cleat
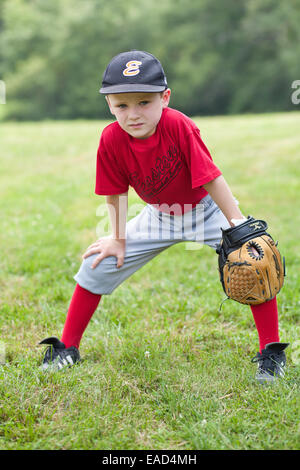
[
  {"x": 57, "y": 356},
  {"x": 271, "y": 362}
]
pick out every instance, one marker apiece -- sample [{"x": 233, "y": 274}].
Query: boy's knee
[
  {"x": 107, "y": 265},
  {"x": 97, "y": 280}
]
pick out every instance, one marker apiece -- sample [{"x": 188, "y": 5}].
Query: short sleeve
[
  {"x": 201, "y": 165},
  {"x": 109, "y": 177}
]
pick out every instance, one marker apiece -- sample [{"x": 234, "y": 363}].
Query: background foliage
[{"x": 219, "y": 57}]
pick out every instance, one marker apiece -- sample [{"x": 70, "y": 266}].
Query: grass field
[{"x": 163, "y": 367}]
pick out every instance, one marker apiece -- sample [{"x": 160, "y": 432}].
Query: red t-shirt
[{"x": 166, "y": 169}]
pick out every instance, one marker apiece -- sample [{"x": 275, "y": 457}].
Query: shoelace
[
  {"x": 269, "y": 360},
  {"x": 62, "y": 355}
]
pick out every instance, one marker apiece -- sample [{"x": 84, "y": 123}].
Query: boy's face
[{"x": 138, "y": 113}]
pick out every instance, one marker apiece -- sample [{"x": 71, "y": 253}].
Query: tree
[{"x": 220, "y": 57}]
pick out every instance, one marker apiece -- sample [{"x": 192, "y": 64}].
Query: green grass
[{"x": 163, "y": 367}]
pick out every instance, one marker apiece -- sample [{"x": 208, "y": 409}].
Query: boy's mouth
[{"x": 135, "y": 126}]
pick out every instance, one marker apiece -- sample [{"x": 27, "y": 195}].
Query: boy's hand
[{"x": 107, "y": 247}]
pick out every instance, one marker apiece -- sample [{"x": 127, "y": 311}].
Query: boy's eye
[
  {"x": 122, "y": 106},
  {"x": 143, "y": 103}
]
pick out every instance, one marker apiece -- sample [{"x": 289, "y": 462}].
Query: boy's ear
[
  {"x": 166, "y": 97},
  {"x": 109, "y": 104}
]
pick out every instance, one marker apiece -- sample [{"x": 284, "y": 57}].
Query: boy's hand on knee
[{"x": 107, "y": 247}]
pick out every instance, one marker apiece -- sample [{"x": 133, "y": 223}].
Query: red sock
[
  {"x": 83, "y": 305},
  {"x": 266, "y": 319}
]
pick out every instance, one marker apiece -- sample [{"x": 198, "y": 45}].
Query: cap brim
[{"x": 131, "y": 88}]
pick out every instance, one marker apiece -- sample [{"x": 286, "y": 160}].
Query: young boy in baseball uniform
[{"x": 159, "y": 152}]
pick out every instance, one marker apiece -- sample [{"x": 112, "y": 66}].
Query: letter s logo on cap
[{"x": 132, "y": 68}]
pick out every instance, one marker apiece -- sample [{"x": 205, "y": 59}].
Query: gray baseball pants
[{"x": 147, "y": 235}]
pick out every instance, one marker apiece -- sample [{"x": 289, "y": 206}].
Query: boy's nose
[{"x": 133, "y": 113}]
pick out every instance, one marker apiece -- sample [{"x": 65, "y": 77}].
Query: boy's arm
[
  {"x": 115, "y": 245},
  {"x": 220, "y": 192},
  {"x": 117, "y": 207}
]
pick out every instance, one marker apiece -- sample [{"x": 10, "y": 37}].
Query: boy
[{"x": 159, "y": 152}]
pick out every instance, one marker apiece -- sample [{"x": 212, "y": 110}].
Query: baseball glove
[{"x": 250, "y": 265}]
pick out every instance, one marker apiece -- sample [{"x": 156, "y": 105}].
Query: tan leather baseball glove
[{"x": 250, "y": 265}]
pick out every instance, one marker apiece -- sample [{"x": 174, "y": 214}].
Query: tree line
[{"x": 220, "y": 56}]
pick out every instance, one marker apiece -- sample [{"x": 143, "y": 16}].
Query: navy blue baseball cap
[{"x": 132, "y": 72}]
